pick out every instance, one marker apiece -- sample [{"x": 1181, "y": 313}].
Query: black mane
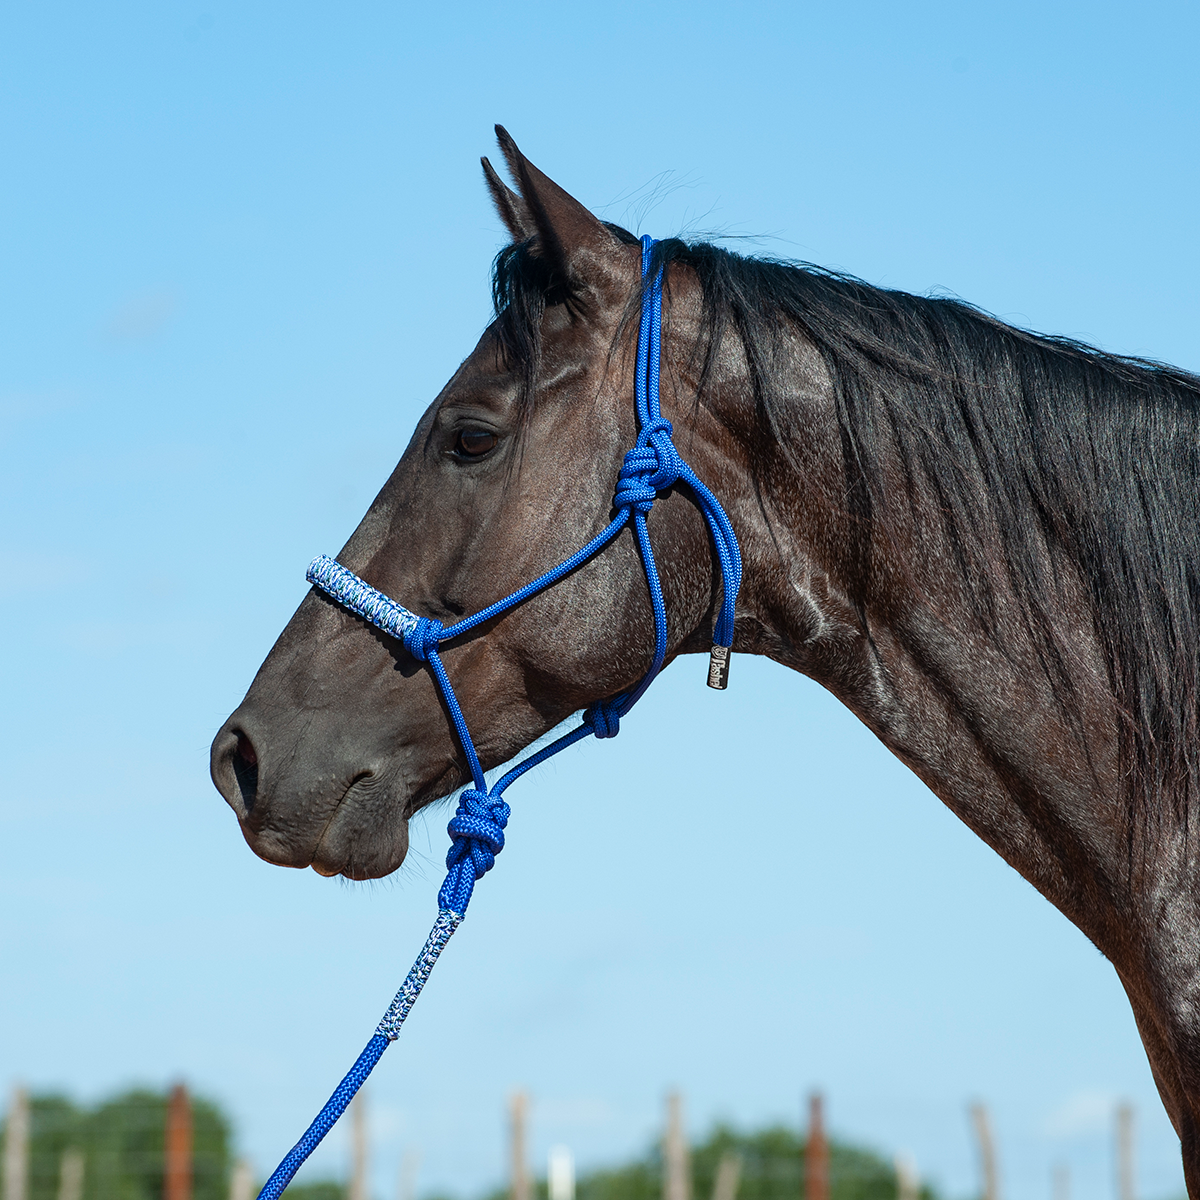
[{"x": 1071, "y": 455}]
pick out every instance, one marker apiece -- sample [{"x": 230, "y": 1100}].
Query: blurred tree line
[
  {"x": 772, "y": 1168},
  {"x": 122, "y": 1144},
  {"x": 322, "y": 1189}
]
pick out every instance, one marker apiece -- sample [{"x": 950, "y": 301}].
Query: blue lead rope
[{"x": 477, "y": 827}]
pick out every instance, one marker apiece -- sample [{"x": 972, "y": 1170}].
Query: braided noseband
[{"x": 477, "y": 827}]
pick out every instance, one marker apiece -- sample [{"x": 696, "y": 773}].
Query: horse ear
[
  {"x": 568, "y": 234},
  {"x": 512, "y": 209}
]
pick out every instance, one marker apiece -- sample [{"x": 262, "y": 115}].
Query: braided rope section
[
  {"x": 386, "y": 1033},
  {"x": 445, "y": 925},
  {"x": 359, "y": 596}
]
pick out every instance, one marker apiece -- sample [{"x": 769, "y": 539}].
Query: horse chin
[{"x": 366, "y": 837}]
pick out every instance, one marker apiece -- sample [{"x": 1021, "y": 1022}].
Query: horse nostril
[
  {"x": 245, "y": 750},
  {"x": 245, "y": 768}
]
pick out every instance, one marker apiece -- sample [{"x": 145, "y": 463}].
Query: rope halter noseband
[{"x": 477, "y": 827}]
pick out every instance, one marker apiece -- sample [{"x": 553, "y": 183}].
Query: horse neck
[
  {"x": 782, "y": 476},
  {"x": 886, "y": 624}
]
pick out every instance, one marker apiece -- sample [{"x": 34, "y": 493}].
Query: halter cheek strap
[{"x": 477, "y": 827}]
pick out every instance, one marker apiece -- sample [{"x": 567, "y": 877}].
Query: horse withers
[{"x": 985, "y": 542}]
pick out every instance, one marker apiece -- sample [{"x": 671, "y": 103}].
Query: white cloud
[
  {"x": 141, "y": 317},
  {"x": 1083, "y": 1112}
]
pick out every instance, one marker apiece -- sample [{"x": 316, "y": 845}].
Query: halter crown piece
[{"x": 477, "y": 827}]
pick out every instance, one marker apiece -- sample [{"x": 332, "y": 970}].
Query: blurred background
[{"x": 243, "y": 247}]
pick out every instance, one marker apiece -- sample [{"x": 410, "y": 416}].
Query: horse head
[{"x": 343, "y": 735}]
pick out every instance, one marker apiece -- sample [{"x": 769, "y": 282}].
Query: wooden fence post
[
  {"x": 1061, "y": 1182},
  {"x": 177, "y": 1176},
  {"x": 518, "y": 1109},
  {"x": 358, "y": 1148},
  {"x": 406, "y": 1188},
  {"x": 241, "y": 1181},
  {"x": 729, "y": 1175},
  {"x": 1124, "y": 1140},
  {"x": 560, "y": 1176},
  {"x": 677, "y": 1180},
  {"x": 908, "y": 1182},
  {"x": 987, "y": 1152},
  {"x": 70, "y": 1175},
  {"x": 16, "y": 1146},
  {"x": 816, "y": 1153}
]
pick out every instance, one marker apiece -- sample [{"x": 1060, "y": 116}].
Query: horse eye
[{"x": 474, "y": 443}]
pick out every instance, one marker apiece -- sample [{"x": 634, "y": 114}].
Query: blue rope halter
[{"x": 477, "y": 827}]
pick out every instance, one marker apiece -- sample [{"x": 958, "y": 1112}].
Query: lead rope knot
[
  {"x": 423, "y": 637},
  {"x": 477, "y": 830},
  {"x": 604, "y": 717}
]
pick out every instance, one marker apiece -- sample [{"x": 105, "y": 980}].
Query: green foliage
[
  {"x": 122, "y": 1142},
  {"x": 319, "y": 1189},
  {"x": 54, "y": 1122},
  {"x": 772, "y": 1168}
]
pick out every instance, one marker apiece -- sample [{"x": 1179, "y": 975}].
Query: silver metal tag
[{"x": 718, "y": 668}]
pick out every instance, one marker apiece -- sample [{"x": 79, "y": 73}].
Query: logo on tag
[{"x": 718, "y": 668}]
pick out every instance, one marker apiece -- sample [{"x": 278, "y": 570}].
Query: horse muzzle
[{"x": 340, "y": 818}]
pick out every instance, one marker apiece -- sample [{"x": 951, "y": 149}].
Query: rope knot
[
  {"x": 633, "y": 488},
  {"x": 605, "y": 717},
  {"x": 477, "y": 828},
  {"x": 423, "y": 637},
  {"x": 652, "y": 466},
  {"x": 657, "y": 434}
]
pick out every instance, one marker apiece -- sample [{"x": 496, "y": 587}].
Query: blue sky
[{"x": 244, "y": 247}]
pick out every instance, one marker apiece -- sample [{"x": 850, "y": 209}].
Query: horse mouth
[
  {"x": 363, "y": 836},
  {"x": 299, "y": 812},
  {"x": 366, "y": 833},
  {"x": 348, "y": 845}
]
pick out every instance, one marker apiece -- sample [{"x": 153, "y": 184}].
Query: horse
[{"x": 984, "y": 541}]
